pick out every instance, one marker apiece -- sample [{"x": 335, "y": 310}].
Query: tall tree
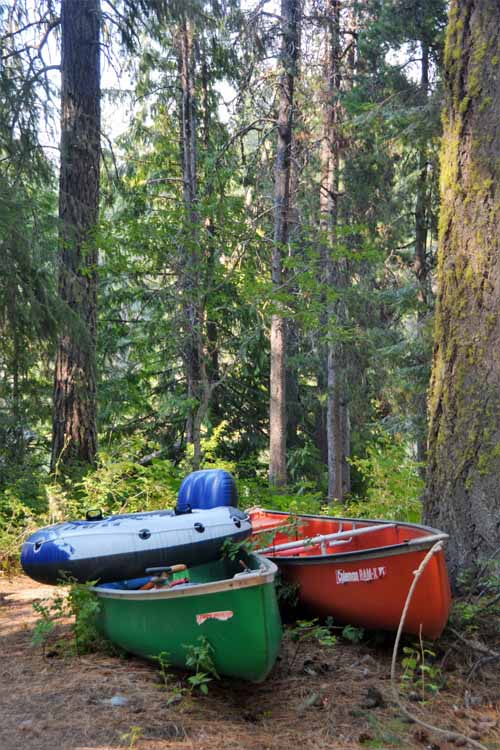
[
  {"x": 277, "y": 413},
  {"x": 334, "y": 269},
  {"x": 328, "y": 200},
  {"x": 463, "y": 488},
  {"x": 74, "y": 412},
  {"x": 190, "y": 278}
]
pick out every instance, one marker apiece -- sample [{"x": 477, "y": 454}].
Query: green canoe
[{"x": 236, "y": 610}]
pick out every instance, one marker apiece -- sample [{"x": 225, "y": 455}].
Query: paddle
[{"x": 160, "y": 576}]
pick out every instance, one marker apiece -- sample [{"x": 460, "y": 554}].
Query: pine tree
[
  {"x": 277, "y": 408},
  {"x": 74, "y": 417}
]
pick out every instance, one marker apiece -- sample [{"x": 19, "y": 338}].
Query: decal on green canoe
[{"x": 223, "y": 615}]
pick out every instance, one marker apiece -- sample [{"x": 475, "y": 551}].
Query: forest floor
[{"x": 316, "y": 698}]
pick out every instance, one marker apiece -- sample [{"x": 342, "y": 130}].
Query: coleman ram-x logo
[{"x": 362, "y": 575}]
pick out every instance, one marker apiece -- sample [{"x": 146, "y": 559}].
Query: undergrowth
[
  {"x": 422, "y": 676},
  {"x": 199, "y": 660},
  {"x": 74, "y": 609},
  {"x": 473, "y": 630},
  {"x": 120, "y": 483},
  {"x": 393, "y": 484}
]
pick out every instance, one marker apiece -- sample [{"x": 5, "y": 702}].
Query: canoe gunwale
[
  {"x": 265, "y": 574},
  {"x": 412, "y": 545}
]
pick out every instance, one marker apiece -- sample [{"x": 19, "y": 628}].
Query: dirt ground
[{"x": 337, "y": 698}]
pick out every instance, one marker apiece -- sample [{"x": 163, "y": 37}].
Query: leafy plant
[
  {"x": 310, "y": 630},
  {"x": 478, "y": 611},
  {"x": 474, "y": 624},
  {"x": 173, "y": 690},
  {"x": 81, "y": 606},
  {"x": 120, "y": 483},
  {"x": 420, "y": 671},
  {"x": 288, "y": 593},
  {"x": 16, "y": 519},
  {"x": 200, "y": 659},
  {"x": 258, "y": 492},
  {"x": 353, "y": 634},
  {"x": 132, "y": 736},
  {"x": 50, "y": 614},
  {"x": 233, "y": 549}
]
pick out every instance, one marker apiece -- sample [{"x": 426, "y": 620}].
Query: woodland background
[{"x": 236, "y": 264}]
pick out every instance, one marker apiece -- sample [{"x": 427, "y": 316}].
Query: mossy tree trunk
[
  {"x": 421, "y": 264},
  {"x": 74, "y": 436},
  {"x": 463, "y": 487}
]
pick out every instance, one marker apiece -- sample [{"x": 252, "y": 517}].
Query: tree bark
[
  {"x": 74, "y": 435},
  {"x": 277, "y": 411},
  {"x": 294, "y": 415},
  {"x": 463, "y": 486},
  {"x": 187, "y": 124},
  {"x": 193, "y": 309},
  {"x": 212, "y": 333},
  {"x": 421, "y": 265},
  {"x": 334, "y": 273}
]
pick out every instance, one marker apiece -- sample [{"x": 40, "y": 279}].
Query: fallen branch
[
  {"x": 395, "y": 692},
  {"x": 475, "y": 645}
]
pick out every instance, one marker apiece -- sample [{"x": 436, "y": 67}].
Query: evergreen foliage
[{"x": 156, "y": 261}]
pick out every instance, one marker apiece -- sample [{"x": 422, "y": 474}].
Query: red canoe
[{"x": 359, "y": 571}]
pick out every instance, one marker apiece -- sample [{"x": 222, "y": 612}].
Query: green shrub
[
  {"x": 393, "y": 483},
  {"x": 80, "y": 606},
  {"x": 18, "y": 518}
]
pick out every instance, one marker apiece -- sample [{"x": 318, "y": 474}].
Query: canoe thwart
[{"x": 326, "y": 537}]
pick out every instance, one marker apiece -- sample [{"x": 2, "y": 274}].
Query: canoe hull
[
  {"x": 238, "y": 616},
  {"x": 368, "y": 588},
  {"x": 371, "y": 593}
]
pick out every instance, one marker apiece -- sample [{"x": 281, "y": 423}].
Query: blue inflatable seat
[{"x": 207, "y": 489}]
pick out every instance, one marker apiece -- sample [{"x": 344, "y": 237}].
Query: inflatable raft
[{"x": 119, "y": 547}]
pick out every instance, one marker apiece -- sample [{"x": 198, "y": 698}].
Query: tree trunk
[
  {"x": 212, "y": 333},
  {"x": 198, "y": 387},
  {"x": 74, "y": 412},
  {"x": 294, "y": 416},
  {"x": 421, "y": 265},
  {"x": 277, "y": 415},
  {"x": 190, "y": 195},
  {"x": 333, "y": 272},
  {"x": 463, "y": 486}
]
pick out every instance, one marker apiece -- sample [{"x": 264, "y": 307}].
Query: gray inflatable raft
[{"x": 119, "y": 547}]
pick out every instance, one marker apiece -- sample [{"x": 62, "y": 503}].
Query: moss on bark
[{"x": 463, "y": 489}]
